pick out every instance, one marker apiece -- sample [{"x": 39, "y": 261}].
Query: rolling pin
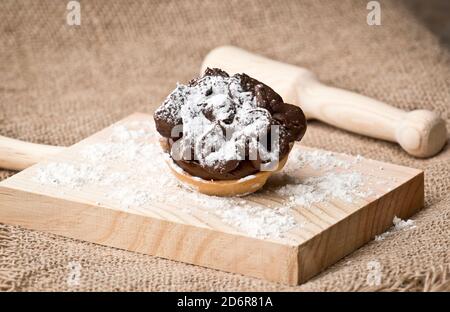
[
  {"x": 421, "y": 133},
  {"x": 18, "y": 155}
]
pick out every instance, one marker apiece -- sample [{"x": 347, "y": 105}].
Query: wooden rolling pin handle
[
  {"x": 421, "y": 133},
  {"x": 18, "y": 155}
]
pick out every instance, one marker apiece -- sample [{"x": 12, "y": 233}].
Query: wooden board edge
[
  {"x": 332, "y": 244},
  {"x": 100, "y": 225}
]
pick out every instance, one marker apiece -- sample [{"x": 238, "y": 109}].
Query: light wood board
[{"x": 329, "y": 230}]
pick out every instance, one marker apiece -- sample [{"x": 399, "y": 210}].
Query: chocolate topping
[{"x": 220, "y": 127}]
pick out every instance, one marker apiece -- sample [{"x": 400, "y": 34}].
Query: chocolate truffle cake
[{"x": 219, "y": 127}]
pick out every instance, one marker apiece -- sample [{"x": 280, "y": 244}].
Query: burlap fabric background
[{"x": 59, "y": 84}]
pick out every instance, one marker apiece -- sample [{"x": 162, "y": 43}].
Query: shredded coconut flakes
[{"x": 399, "y": 225}]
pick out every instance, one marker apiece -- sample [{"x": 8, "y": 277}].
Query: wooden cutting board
[{"x": 324, "y": 231}]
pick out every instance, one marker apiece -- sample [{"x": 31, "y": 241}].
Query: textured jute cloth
[{"x": 59, "y": 84}]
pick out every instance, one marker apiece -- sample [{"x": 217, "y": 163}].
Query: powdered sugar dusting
[
  {"x": 71, "y": 175},
  {"x": 343, "y": 186},
  {"x": 316, "y": 159},
  {"x": 129, "y": 169},
  {"x": 399, "y": 225},
  {"x": 346, "y": 186}
]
